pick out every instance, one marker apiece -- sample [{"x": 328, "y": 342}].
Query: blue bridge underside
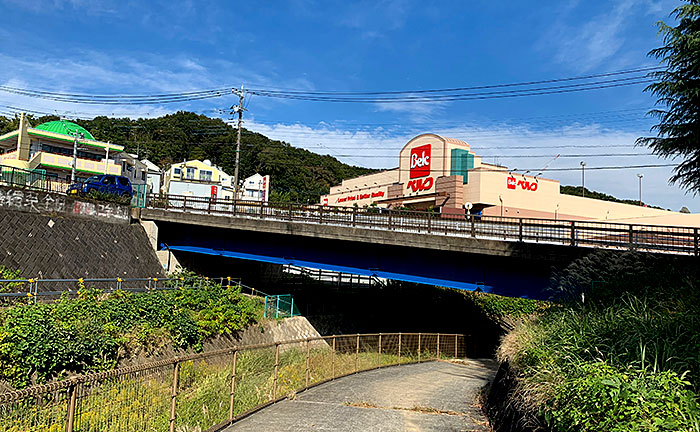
[{"x": 509, "y": 276}]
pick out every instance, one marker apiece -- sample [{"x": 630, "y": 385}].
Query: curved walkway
[{"x": 434, "y": 396}]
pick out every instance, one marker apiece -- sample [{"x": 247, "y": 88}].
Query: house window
[
  {"x": 205, "y": 175},
  {"x": 177, "y": 171},
  {"x": 189, "y": 173}
]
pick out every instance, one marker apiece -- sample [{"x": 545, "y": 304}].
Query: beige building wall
[{"x": 363, "y": 190}]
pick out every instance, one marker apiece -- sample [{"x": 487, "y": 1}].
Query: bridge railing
[
  {"x": 650, "y": 238},
  {"x": 209, "y": 391}
]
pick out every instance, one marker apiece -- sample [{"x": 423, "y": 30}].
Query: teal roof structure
[{"x": 65, "y": 128}]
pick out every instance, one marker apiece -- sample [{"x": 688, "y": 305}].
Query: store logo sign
[
  {"x": 420, "y": 161},
  {"x": 420, "y": 185},
  {"x": 524, "y": 184}
]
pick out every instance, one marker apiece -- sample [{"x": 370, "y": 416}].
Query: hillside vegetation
[
  {"x": 296, "y": 174},
  {"x": 621, "y": 353}
]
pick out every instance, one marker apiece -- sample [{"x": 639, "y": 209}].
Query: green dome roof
[{"x": 65, "y": 128}]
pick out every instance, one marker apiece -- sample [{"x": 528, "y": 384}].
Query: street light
[
  {"x": 583, "y": 178},
  {"x": 640, "y": 188}
]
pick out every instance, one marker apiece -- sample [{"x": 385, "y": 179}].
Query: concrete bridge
[{"x": 508, "y": 256}]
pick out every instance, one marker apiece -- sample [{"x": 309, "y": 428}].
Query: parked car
[{"x": 108, "y": 184}]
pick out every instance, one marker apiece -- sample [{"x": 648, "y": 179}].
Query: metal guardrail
[
  {"x": 209, "y": 391},
  {"x": 31, "y": 179},
  {"x": 648, "y": 238}
]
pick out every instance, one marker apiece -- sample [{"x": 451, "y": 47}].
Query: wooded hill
[{"x": 296, "y": 174}]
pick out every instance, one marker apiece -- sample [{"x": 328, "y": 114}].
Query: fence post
[
  {"x": 573, "y": 233},
  {"x": 695, "y": 241},
  {"x": 438, "y": 346},
  {"x": 209, "y": 205},
  {"x": 277, "y": 363},
  {"x": 418, "y": 347},
  {"x": 173, "y": 396},
  {"x": 277, "y": 307},
  {"x": 320, "y": 215},
  {"x": 72, "y": 396},
  {"x": 520, "y": 229},
  {"x": 429, "y": 220},
  {"x": 631, "y": 234},
  {"x": 233, "y": 208},
  {"x": 390, "y": 213},
  {"x": 12, "y": 177},
  {"x": 357, "y": 354},
  {"x": 354, "y": 215},
  {"x": 184, "y": 203},
  {"x": 262, "y": 206},
  {"x": 289, "y": 211},
  {"x": 473, "y": 225},
  {"x": 308, "y": 357},
  {"x": 333, "y": 360},
  {"x": 399, "y": 348},
  {"x": 456, "y": 345},
  {"x": 233, "y": 387},
  {"x": 380, "y": 350}
]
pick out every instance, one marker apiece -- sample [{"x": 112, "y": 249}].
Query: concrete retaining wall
[
  {"x": 60, "y": 246},
  {"x": 37, "y": 202}
]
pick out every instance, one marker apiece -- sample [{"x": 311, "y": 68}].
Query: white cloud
[{"x": 379, "y": 148}]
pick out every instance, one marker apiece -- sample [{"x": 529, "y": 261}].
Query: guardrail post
[
  {"x": 233, "y": 208},
  {"x": 418, "y": 347},
  {"x": 695, "y": 241},
  {"x": 209, "y": 205},
  {"x": 429, "y": 221},
  {"x": 233, "y": 387},
  {"x": 473, "y": 225},
  {"x": 389, "y": 219},
  {"x": 438, "y": 346},
  {"x": 320, "y": 214},
  {"x": 399, "y": 348},
  {"x": 520, "y": 229},
  {"x": 333, "y": 360},
  {"x": 184, "y": 203},
  {"x": 262, "y": 215},
  {"x": 72, "y": 396},
  {"x": 631, "y": 234},
  {"x": 277, "y": 363},
  {"x": 380, "y": 350},
  {"x": 573, "y": 233},
  {"x": 354, "y": 215},
  {"x": 456, "y": 345},
  {"x": 173, "y": 395},
  {"x": 357, "y": 354},
  {"x": 308, "y": 358},
  {"x": 289, "y": 211}
]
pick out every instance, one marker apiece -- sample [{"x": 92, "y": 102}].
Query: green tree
[{"x": 678, "y": 90}]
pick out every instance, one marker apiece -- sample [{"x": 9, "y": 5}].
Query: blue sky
[{"x": 105, "y": 46}]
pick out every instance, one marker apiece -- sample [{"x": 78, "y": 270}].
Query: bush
[
  {"x": 93, "y": 331},
  {"x": 624, "y": 356}
]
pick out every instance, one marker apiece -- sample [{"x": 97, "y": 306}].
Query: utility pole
[
  {"x": 640, "y": 188},
  {"x": 238, "y": 109},
  {"x": 583, "y": 179},
  {"x": 76, "y": 135}
]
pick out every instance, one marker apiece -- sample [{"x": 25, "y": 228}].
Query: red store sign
[
  {"x": 420, "y": 184},
  {"x": 420, "y": 161},
  {"x": 513, "y": 183}
]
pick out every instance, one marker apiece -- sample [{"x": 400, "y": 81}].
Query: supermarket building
[{"x": 444, "y": 173}]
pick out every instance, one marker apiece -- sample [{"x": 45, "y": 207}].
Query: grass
[
  {"x": 142, "y": 402},
  {"x": 628, "y": 358}
]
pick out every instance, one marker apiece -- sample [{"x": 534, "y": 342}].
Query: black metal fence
[
  {"x": 209, "y": 391},
  {"x": 648, "y": 238}
]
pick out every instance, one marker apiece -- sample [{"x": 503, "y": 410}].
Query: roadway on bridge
[{"x": 433, "y": 396}]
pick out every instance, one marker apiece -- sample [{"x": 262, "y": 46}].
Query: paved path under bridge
[{"x": 433, "y": 396}]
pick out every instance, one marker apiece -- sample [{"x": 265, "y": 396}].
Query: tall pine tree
[{"x": 678, "y": 90}]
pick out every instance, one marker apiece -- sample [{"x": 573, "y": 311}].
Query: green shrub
[{"x": 93, "y": 331}]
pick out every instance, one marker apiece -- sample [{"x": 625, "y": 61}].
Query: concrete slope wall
[{"x": 51, "y": 246}]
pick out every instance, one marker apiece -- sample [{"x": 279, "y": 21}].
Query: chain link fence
[{"x": 209, "y": 391}]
